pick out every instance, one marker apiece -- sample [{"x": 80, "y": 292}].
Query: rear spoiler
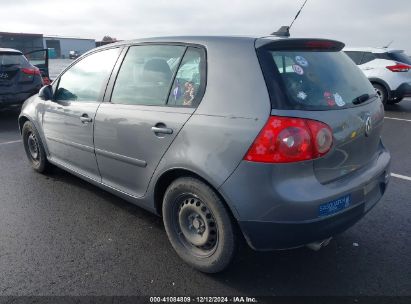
[{"x": 292, "y": 44}]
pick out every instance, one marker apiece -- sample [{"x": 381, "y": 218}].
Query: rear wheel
[
  {"x": 34, "y": 147},
  {"x": 381, "y": 92},
  {"x": 199, "y": 226}
]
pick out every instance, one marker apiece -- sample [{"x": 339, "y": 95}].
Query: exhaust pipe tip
[{"x": 319, "y": 244}]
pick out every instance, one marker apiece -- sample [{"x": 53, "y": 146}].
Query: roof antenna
[
  {"x": 284, "y": 31},
  {"x": 388, "y": 45}
]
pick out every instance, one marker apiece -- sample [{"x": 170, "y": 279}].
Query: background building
[
  {"x": 63, "y": 45},
  {"x": 21, "y": 41}
]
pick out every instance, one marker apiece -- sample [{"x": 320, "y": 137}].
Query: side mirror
[{"x": 46, "y": 92}]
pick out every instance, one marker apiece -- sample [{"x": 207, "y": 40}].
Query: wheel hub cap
[
  {"x": 33, "y": 146},
  {"x": 196, "y": 223}
]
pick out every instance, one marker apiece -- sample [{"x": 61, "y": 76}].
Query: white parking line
[
  {"x": 401, "y": 176},
  {"x": 10, "y": 142},
  {"x": 402, "y": 119}
]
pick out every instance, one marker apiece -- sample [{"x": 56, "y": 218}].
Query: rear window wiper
[{"x": 362, "y": 98}]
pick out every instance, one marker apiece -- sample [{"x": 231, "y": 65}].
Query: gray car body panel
[{"x": 211, "y": 141}]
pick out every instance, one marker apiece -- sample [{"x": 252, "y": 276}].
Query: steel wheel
[
  {"x": 195, "y": 225},
  {"x": 198, "y": 225},
  {"x": 381, "y": 92},
  {"x": 33, "y": 146}
]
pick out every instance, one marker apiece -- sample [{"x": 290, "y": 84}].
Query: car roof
[
  {"x": 207, "y": 40},
  {"x": 372, "y": 50},
  {"x": 204, "y": 40},
  {"x": 7, "y": 50}
]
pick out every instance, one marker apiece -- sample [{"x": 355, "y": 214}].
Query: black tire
[
  {"x": 34, "y": 148},
  {"x": 199, "y": 226},
  {"x": 382, "y": 92}
]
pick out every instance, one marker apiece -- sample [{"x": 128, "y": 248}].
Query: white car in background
[{"x": 388, "y": 70}]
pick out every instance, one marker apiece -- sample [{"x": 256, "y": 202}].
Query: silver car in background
[{"x": 271, "y": 140}]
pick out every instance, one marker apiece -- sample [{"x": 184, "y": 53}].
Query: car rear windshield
[
  {"x": 10, "y": 59},
  {"x": 313, "y": 80},
  {"x": 399, "y": 56}
]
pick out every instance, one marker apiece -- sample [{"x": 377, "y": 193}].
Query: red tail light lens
[
  {"x": 318, "y": 44},
  {"x": 287, "y": 139},
  {"x": 46, "y": 80},
  {"x": 399, "y": 67},
  {"x": 31, "y": 71}
]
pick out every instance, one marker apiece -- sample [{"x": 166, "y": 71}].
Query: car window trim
[{"x": 105, "y": 82}]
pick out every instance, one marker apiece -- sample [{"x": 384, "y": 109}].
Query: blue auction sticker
[{"x": 335, "y": 206}]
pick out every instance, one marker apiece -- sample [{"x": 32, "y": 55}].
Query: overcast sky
[{"x": 355, "y": 22}]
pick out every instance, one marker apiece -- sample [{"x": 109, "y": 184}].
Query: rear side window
[
  {"x": 188, "y": 86},
  {"x": 312, "y": 80},
  {"x": 7, "y": 59},
  {"x": 355, "y": 56},
  {"x": 146, "y": 74},
  {"x": 368, "y": 57}
]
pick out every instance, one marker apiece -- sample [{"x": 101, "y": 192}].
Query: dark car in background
[{"x": 19, "y": 77}]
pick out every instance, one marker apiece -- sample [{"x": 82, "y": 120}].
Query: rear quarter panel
[{"x": 234, "y": 109}]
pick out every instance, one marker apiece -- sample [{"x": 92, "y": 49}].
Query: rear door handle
[
  {"x": 161, "y": 130},
  {"x": 85, "y": 118}
]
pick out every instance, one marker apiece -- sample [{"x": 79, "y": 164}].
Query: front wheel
[
  {"x": 34, "y": 147},
  {"x": 199, "y": 226}
]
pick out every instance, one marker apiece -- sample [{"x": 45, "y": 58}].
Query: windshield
[
  {"x": 316, "y": 80},
  {"x": 7, "y": 59}
]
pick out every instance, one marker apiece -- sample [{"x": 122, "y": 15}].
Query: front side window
[
  {"x": 146, "y": 74},
  {"x": 85, "y": 80},
  {"x": 189, "y": 82}
]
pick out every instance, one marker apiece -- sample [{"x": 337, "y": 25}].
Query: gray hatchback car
[{"x": 272, "y": 140}]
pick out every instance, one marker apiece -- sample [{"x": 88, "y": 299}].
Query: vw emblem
[
  {"x": 4, "y": 76},
  {"x": 368, "y": 126}
]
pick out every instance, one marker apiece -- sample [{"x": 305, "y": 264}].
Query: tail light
[
  {"x": 30, "y": 71},
  {"x": 46, "y": 80},
  {"x": 399, "y": 67},
  {"x": 288, "y": 139}
]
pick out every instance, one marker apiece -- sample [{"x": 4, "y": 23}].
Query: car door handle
[
  {"x": 85, "y": 118},
  {"x": 161, "y": 130}
]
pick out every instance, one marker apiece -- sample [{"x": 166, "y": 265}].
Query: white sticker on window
[
  {"x": 301, "y": 95},
  {"x": 301, "y": 61},
  {"x": 339, "y": 100},
  {"x": 297, "y": 69}
]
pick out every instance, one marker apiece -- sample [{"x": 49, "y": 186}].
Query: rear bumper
[
  {"x": 273, "y": 235},
  {"x": 284, "y": 212},
  {"x": 402, "y": 91},
  {"x": 15, "y": 99}
]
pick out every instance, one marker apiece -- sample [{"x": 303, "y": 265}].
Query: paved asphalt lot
[{"x": 62, "y": 236}]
